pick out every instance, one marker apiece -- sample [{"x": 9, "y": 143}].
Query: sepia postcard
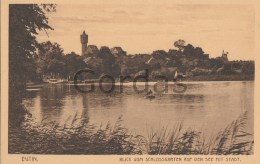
[{"x": 135, "y": 81}]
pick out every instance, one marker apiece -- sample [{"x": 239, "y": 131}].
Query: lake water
[{"x": 207, "y": 106}]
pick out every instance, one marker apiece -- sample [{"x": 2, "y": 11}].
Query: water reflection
[{"x": 203, "y": 105}]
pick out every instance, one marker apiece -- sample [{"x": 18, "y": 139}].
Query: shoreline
[
  {"x": 193, "y": 79},
  {"x": 141, "y": 82}
]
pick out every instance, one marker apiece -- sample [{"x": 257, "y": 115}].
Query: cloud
[{"x": 77, "y": 20}]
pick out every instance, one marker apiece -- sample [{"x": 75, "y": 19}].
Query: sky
[{"x": 145, "y": 27}]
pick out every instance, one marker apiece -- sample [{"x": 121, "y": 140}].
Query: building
[
  {"x": 84, "y": 42},
  {"x": 88, "y": 60},
  {"x": 118, "y": 51},
  {"x": 103, "y": 52},
  {"x": 224, "y": 57},
  {"x": 91, "y": 51}
]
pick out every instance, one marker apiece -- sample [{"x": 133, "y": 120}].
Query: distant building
[
  {"x": 118, "y": 51},
  {"x": 84, "y": 42},
  {"x": 225, "y": 56},
  {"x": 88, "y": 60},
  {"x": 91, "y": 51},
  {"x": 154, "y": 61},
  {"x": 103, "y": 52},
  {"x": 151, "y": 61}
]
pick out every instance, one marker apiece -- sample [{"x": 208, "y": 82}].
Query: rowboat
[
  {"x": 150, "y": 97},
  {"x": 55, "y": 81}
]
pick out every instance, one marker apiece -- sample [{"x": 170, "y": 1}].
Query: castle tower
[{"x": 84, "y": 42}]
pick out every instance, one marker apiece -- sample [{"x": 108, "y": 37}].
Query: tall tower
[{"x": 84, "y": 42}]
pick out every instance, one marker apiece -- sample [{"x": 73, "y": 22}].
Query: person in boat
[
  {"x": 150, "y": 95},
  {"x": 149, "y": 92}
]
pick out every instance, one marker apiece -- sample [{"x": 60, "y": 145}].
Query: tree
[
  {"x": 159, "y": 54},
  {"x": 24, "y": 22},
  {"x": 74, "y": 62},
  {"x": 50, "y": 59},
  {"x": 179, "y": 44},
  {"x": 49, "y": 50},
  {"x": 188, "y": 50},
  {"x": 108, "y": 60},
  {"x": 198, "y": 52}
]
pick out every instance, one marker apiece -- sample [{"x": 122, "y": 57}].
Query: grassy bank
[{"x": 80, "y": 137}]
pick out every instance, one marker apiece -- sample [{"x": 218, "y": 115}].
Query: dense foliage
[
  {"x": 188, "y": 60},
  {"x": 24, "y": 23},
  {"x": 52, "y": 61}
]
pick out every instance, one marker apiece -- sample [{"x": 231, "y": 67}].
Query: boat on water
[
  {"x": 150, "y": 95},
  {"x": 55, "y": 81}
]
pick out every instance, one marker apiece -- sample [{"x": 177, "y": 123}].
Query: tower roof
[{"x": 84, "y": 33}]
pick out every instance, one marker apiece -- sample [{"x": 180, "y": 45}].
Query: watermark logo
[{"x": 107, "y": 79}]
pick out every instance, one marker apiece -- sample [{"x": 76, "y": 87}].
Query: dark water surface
[{"x": 207, "y": 106}]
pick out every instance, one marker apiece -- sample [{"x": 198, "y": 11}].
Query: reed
[
  {"x": 78, "y": 136},
  {"x": 233, "y": 140}
]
